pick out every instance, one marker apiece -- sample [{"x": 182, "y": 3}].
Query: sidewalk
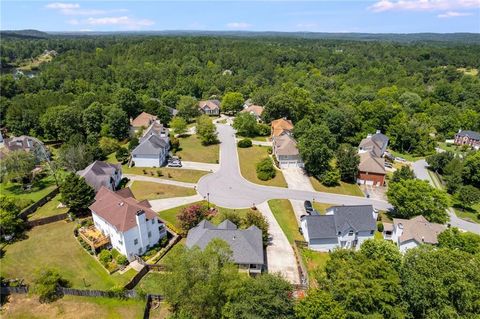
[{"x": 163, "y": 204}]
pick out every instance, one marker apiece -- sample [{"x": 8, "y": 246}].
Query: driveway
[
  {"x": 167, "y": 203},
  {"x": 199, "y": 166},
  {"x": 227, "y": 187},
  {"x": 133, "y": 178},
  {"x": 297, "y": 179},
  {"x": 421, "y": 171},
  {"x": 280, "y": 255}
]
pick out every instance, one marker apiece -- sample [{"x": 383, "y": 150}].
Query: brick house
[{"x": 470, "y": 138}]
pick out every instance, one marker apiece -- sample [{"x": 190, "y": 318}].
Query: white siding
[
  {"x": 326, "y": 244},
  {"x": 408, "y": 245}
]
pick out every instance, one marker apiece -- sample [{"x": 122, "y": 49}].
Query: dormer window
[{"x": 350, "y": 233}]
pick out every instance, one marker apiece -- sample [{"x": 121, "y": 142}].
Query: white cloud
[
  {"x": 122, "y": 21},
  {"x": 62, "y": 6},
  {"x": 85, "y": 30},
  {"x": 307, "y": 25},
  {"x": 73, "y": 9},
  {"x": 454, "y": 14},
  {"x": 238, "y": 25},
  {"x": 423, "y": 5},
  {"x": 73, "y": 22}
]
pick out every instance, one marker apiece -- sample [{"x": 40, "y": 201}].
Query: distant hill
[{"x": 26, "y": 34}]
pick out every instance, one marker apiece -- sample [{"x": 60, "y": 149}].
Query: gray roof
[
  {"x": 376, "y": 143},
  {"x": 156, "y": 128},
  {"x": 99, "y": 174},
  {"x": 151, "y": 145},
  {"x": 344, "y": 218},
  {"x": 471, "y": 134},
  {"x": 380, "y": 138},
  {"x": 246, "y": 244}
]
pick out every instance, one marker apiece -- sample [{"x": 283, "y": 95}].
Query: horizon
[{"x": 361, "y": 16}]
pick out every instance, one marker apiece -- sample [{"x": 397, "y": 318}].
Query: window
[
  {"x": 350, "y": 233},
  {"x": 120, "y": 242},
  {"x": 149, "y": 234},
  {"x": 371, "y": 232},
  {"x": 140, "y": 250},
  {"x": 153, "y": 221},
  {"x": 135, "y": 241}
]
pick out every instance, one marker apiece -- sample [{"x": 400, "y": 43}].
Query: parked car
[
  {"x": 400, "y": 159},
  {"x": 388, "y": 164},
  {"x": 174, "y": 164},
  {"x": 308, "y": 206}
]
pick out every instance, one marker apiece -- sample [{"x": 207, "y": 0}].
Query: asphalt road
[{"x": 227, "y": 187}]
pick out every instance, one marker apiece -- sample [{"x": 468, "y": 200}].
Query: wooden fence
[
  {"x": 42, "y": 201},
  {"x": 47, "y": 220},
  {"x": 13, "y": 290},
  {"x": 136, "y": 279},
  {"x": 148, "y": 304},
  {"x": 304, "y": 281},
  {"x": 98, "y": 293}
]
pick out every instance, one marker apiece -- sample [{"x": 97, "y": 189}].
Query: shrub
[
  {"x": 46, "y": 285},
  {"x": 331, "y": 178},
  {"x": 269, "y": 150},
  {"x": 109, "y": 145},
  {"x": 190, "y": 216},
  {"x": 380, "y": 227},
  {"x": 115, "y": 253},
  {"x": 174, "y": 144},
  {"x": 263, "y": 129},
  {"x": 122, "y": 155},
  {"x": 246, "y": 142},
  {"x": 159, "y": 173},
  {"x": 265, "y": 169},
  {"x": 105, "y": 257},
  {"x": 132, "y": 143},
  {"x": 121, "y": 260}
]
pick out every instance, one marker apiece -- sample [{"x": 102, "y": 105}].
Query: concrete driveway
[
  {"x": 167, "y": 203},
  {"x": 297, "y": 179},
  {"x": 133, "y": 178},
  {"x": 199, "y": 166}
]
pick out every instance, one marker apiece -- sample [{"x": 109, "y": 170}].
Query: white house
[
  {"x": 100, "y": 174},
  {"x": 153, "y": 147},
  {"x": 286, "y": 151},
  {"x": 341, "y": 227},
  {"x": 411, "y": 233},
  {"x": 132, "y": 226}
]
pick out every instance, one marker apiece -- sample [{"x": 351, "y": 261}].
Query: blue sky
[{"x": 378, "y": 16}]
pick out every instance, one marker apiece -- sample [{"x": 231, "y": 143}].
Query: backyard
[
  {"x": 249, "y": 157},
  {"x": 73, "y": 307},
  {"x": 26, "y": 197},
  {"x": 54, "y": 246},
  {"x": 315, "y": 262},
  {"x": 150, "y": 190},
  {"x": 49, "y": 209},
  {"x": 343, "y": 188},
  {"x": 191, "y": 149}
]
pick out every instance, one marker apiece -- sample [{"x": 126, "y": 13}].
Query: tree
[
  {"x": 132, "y": 143},
  {"x": 468, "y": 195},
  {"x": 10, "y": 223},
  {"x": 62, "y": 122},
  {"x": 206, "y": 130},
  {"x": 403, "y": 173},
  {"x": 439, "y": 161},
  {"x": 452, "y": 173},
  {"x": 265, "y": 169},
  {"x": 441, "y": 283},
  {"x": 126, "y": 99},
  {"x": 232, "y": 102},
  {"x": 378, "y": 249},
  {"x": 187, "y": 107},
  {"x": 331, "y": 177},
  {"x": 92, "y": 119},
  {"x": 46, "y": 285},
  {"x": 245, "y": 124},
  {"x": 17, "y": 166},
  {"x": 452, "y": 238},
  {"x": 319, "y": 304},
  {"x": 163, "y": 114},
  {"x": 414, "y": 197},
  {"x": 267, "y": 296},
  {"x": 255, "y": 218},
  {"x": 108, "y": 145},
  {"x": 191, "y": 215},
  {"x": 347, "y": 162},
  {"x": 122, "y": 155},
  {"x": 76, "y": 193},
  {"x": 179, "y": 125},
  {"x": 232, "y": 216},
  {"x": 75, "y": 157},
  {"x": 116, "y": 123},
  {"x": 315, "y": 148},
  {"x": 471, "y": 169}
]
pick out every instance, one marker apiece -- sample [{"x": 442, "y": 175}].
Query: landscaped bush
[
  {"x": 105, "y": 257},
  {"x": 123, "y": 182},
  {"x": 269, "y": 150},
  {"x": 380, "y": 227},
  {"x": 121, "y": 260},
  {"x": 122, "y": 155},
  {"x": 265, "y": 169},
  {"x": 246, "y": 142},
  {"x": 331, "y": 178}
]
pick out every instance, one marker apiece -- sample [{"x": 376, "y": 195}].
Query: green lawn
[
  {"x": 285, "y": 216},
  {"x": 343, "y": 188},
  {"x": 315, "y": 262},
  {"x": 321, "y": 207},
  {"x": 26, "y": 197},
  {"x": 192, "y": 150},
  {"x": 49, "y": 209},
  {"x": 406, "y": 156},
  {"x": 149, "y": 190},
  {"x": 54, "y": 246},
  {"x": 255, "y": 138},
  {"x": 249, "y": 157},
  {"x": 177, "y": 174},
  {"x": 150, "y": 283},
  {"x": 472, "y": 215},
  {"x": 73, "y": 307}
]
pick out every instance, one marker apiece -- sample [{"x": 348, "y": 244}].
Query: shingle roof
[
  {"x": 24, "y": 142},
  {"x": 246, "y": 244},
  {"x": 358, "y": 218},
  {"x": 144, "y": 119},
  {"x": 99, "y": 173},
  {"x": 371, "y": 164},
  {"x": 212, "y": 104},
  {"x": 156, "y": 128},
  {"x": 255, "y": 109},
  {"x": 151, "y": 146},
  {"x": 119, "y": 211},
  {"x": 281, "y": 125},
  {"x": 285, "y": 145},
  {"x": 419, "y": 229},
  {"x": 471, "y": 134}
]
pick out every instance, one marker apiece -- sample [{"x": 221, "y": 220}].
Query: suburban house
[
  {"x": 153, "y": 147},
  {"x": 371, "y": 170},
  {"x": 143, "y": 120},
  {"x": 209, "y": 107},
  {"x": 24, "y": 143},
  {"x": 286, "y": 151},
  {"x": 280, "y": 127},
  {"x": 341, "y": 227},
  {"x": 470, "y": 138},
  {"x": 246, "y": 244},
  {"x": 255, "y": 110},
  {"x": 102, "y": 174},
  {"x": 411, "y": 233},
  {"x": 131, "y": 225}
]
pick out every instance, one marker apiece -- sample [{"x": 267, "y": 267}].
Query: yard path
[
  {"x": 167, "y": 203},
  {"x": 142, "y": 178},
  {"x": 280, "y": 255}
]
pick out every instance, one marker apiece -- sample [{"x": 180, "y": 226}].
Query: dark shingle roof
[
  {"x": 99, "y": 173},
  {"x": 321, "y": 226},
  {"x": 151, "y": 146},
  {"x": 246, "y": 244},
  {"x": 470, "y": 134}
]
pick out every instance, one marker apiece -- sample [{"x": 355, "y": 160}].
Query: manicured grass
[
  {"x": 470, "y": 215},
  {"x": 192, "y": 150},
  {"x": 149, "y": 190},
  {"x": 176, "y": 174},
  {"x": 343, "y": 188},
  {"x": 255, "y": 138},
  {"x": 38, "y": 190},
  {"x": 73, "y": 307},
  {"x": 321, "y": 207},
  {"x": 249, "y": 157},
  {"x": 54, "y": 246},
  {"x": 283, "y": 211},
  {"x": 150, "y": 283},
  {"x": 456, "y": 149},
  {"x": 49, "y": 209},
  {"x": 406, "y": 156},
  {"x": 315, "y": 262}
]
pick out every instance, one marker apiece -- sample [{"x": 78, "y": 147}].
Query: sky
[{"x": 366, "y": 16}]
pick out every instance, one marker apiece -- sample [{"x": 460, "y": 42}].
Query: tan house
[
  {"x": 286, "y": 151},
  {"x": 371, "y": 170},
  {"x": 255, "y": 110},
  {"x": 143, "y": 120},
  {"x": 280, "y": 127},
  {"x": 209, "y": 107}
]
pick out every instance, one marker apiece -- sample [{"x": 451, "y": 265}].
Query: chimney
[
  {"x": 121, "y": 204},
  {"x": 369, "y": 135},
  {"x": 378, "y": 132}
]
